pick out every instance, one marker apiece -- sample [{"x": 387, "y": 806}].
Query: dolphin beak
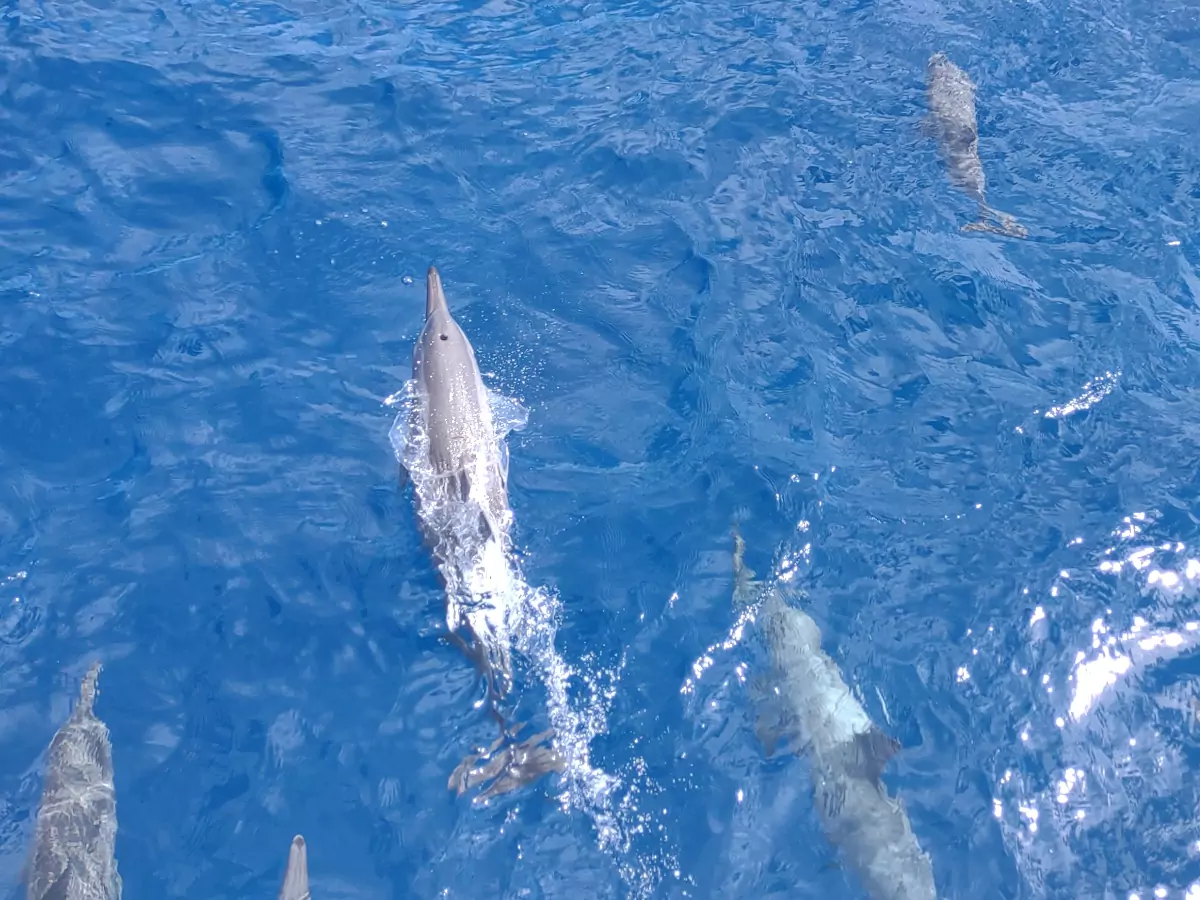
[{"x": 435, "y": 299}]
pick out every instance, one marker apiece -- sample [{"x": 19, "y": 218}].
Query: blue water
[{"x": 710, "y": 250}]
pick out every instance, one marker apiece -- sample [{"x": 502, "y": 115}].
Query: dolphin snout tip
[{"x": 435, "y": 298}]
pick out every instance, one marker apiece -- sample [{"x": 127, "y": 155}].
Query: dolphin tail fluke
[
  {"x": 1004, "y": 224},
  {"x": 295, "y": 877},
  {"x": 507, "y": 764}
]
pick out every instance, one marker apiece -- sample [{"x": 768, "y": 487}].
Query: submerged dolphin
[
  {"x": 75, "y": 836},
  {"x": 951, "y": 120},
  {"x": 462, "y": 508},
  {"x": 295, "y": 876},
  {"x": 806, "y": 698}
]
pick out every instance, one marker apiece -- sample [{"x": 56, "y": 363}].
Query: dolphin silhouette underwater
[
  {"x": 803, "y": 698},
  {"x": 458, "y": 466},
  {"x": 74, "y": 841},
  {"x": 951, "y": 120}
]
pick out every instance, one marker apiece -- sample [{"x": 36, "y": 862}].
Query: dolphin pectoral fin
[
  {"x": 472, "y": 651},
  {"x": 508, "y": 765},
  {"x": 402, "y": 477},
  {"x": 502, "y": 463},
  {"x": 768, "y": 734},
  {"x": 773, "y": 723},
  {"x": 486, "y": 529},
  {"x": 295, "y": 876}
]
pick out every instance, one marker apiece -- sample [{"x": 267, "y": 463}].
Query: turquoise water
[{"x": 711, "y": 252}]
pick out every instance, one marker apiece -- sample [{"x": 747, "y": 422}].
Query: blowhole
[{"x": 443, "y": 337}]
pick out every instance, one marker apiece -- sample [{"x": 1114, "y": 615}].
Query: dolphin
[
  {"x": 295, "y": 876},
  {"x": 804, "y": 697},
  {"x": 75, "y": 835},
  {"x": 951, "y": 120},
  {"x": 462, "y": 509}
]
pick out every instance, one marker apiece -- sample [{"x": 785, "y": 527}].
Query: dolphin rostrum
[
  {"x": 951, "y": 120},
  {"x": 460, "y": 485},
  {"x": 74, "y": 841},
  {"x": 295, "y": 876},
  {"x": 805, "y": 698}
]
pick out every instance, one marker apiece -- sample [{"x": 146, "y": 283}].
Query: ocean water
[{"x": 710, "y": 250}]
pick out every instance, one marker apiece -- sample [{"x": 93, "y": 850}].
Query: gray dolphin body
[
  {"x": 295, "y": 876},
  {"x": 951, "y": 96},
  {"x": 75, "y": 836},
  {"x": 805, "y": 698},
  {"x": 462, "y": 508}
]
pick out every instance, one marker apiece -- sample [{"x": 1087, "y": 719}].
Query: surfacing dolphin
[
  {"x": 805, "y": 698},
  {"x": 295, "y": 876},
  {"x": 460, "y": 483},
  {"x": 951, "y": 120},
  {"x": 74, "y": 842}
]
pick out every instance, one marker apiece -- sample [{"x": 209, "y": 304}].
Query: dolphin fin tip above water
[{"x": 295, "y": 876}]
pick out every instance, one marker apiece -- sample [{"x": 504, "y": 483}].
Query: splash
[
  {"x": 1102, "y": 740},
  {"x": 789, "y": 566},
  {"x": 1093, "y": 392},
  {"x": 485, "y": 584}
]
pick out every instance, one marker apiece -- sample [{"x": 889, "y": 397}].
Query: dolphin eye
[{"x": 443, "y": 337}]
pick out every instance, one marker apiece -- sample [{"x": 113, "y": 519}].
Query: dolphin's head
[
  {"x": 442, "y": 342},
  {"x": 458, "y": 419}
]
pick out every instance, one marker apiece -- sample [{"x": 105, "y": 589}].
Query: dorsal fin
[
  {"x": 295, "y": 877},
  {"x": 872, "y": 749}
]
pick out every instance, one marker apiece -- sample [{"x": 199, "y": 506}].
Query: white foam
[{"x": 484, "y": 581}]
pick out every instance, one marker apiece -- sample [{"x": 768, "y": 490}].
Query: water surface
[{"x": 709, "y": 249}]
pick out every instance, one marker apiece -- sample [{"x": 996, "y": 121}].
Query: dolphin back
[
  {"x": 952, "y": 120},
  {"x": 73, "y": 854},
  {"x": 458, "y": 462},
  {"x": 458, "y": 419},
  {"x": 295, "y": 877},
  {"x": 804, "y": 698},
  {"x": 951, "y": 96}
]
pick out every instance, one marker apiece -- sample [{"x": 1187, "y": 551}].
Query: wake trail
[{"x": 493, "y": 590}]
